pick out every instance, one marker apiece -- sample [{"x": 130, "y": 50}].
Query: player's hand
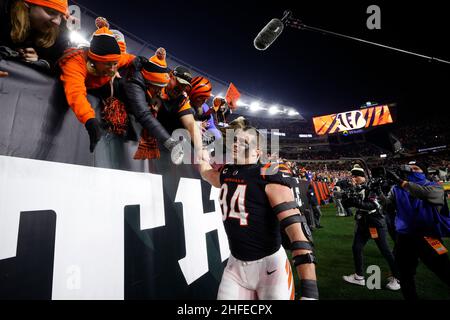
[
  {"x": 205, "y": 156},
  {"x": 3, "y": 74}
]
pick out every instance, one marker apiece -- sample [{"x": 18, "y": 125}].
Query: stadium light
[
  {"x": 241, "y": 103},
  {"x": 292, "y": 112},
  {"x": 78, "y": 39},
  {"x": 273, "y": 110},
  {"x": 255, "y": 106}
]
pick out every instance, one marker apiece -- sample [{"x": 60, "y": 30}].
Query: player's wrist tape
[
  {"x": 306, "y": 258},
  {"x": 284, "y": 206},
  {"x": 308, "y": 289}
]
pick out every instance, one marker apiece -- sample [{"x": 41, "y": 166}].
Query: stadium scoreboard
[{"x": 353, "y": 120}]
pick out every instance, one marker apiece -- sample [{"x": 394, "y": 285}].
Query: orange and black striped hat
[
  {"x": 200, "y": 87},
  {"x": 104, "y": 46},
  {"x": 101, "y": 22},
  {"x": 155, "y": 69}
]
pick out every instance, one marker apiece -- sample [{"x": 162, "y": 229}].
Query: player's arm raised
[
  {"x": 209, "y": 174},
  {"x": 286, "y": 208}
]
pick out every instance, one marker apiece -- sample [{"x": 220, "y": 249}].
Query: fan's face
[
  {"x": 44, "y": 19},
  {"x": 106, "y": 68}
]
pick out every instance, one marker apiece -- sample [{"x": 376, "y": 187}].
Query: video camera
[
  {"x": 381, "y": 181},
  {"x": 350, "y": 191}
]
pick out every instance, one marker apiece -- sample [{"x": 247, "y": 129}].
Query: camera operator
[
  {"x": 370, "y": 223},
  {"x": 345, "y": 184},
  {"x": 421, "y": 220}
]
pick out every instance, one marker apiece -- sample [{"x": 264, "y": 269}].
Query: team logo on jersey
[
  {"x": 225, "y": 171},
  {"x": 236, "y": 172}
]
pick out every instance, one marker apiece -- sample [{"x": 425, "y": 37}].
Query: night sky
[{"x": 317, "y": 74}]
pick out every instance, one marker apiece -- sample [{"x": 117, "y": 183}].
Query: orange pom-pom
[
  {"x": 101, "y": 22},
  {"x": 161, "y": 53}
]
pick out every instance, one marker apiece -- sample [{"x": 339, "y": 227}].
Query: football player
[{"x": 256, "y": 200}]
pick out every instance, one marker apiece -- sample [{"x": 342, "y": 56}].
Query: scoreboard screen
[{"x": 352, "y": 120}]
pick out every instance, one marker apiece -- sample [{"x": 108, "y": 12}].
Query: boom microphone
[{"x": 268, "y": 35}]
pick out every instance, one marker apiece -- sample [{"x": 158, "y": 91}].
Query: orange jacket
[{"x": 77, "y": 80}]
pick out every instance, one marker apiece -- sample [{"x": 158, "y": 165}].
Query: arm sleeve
[
  {"x": 431, "y": 194},
  {"x": 73, "y": 77}
]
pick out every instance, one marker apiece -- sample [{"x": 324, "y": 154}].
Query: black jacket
[
  {"x": 369, "y": 213},
  {"x": 133, "y": 92}
]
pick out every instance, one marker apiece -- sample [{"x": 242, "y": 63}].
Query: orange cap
[{"x": 59, "y": 5}]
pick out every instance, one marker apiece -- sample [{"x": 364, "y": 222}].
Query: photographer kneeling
[
  {"x": 370, "y": 223},
  {"x": 421, "y": 221}
]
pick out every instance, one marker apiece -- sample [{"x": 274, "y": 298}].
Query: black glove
[
  {"x": 176, "y": 149},
  {"x": 394, "y": 177},
  {"x": 94, "y": 131}
]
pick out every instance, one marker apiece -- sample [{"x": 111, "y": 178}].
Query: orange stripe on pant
[{"x": 290, "y": 280}]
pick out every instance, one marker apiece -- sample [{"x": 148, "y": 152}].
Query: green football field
[{"x": 333, "y": 245}]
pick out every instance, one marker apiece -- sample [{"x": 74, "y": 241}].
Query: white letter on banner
[
  {"x": 196, "y": 225},
  {"x": 89, "y": 203}
]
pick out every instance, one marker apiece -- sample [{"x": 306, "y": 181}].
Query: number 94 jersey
[{"x": 251, "y": 225}]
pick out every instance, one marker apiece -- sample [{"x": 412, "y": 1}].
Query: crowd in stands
[
  {"x": 425, "y": 133},
  {"x": 439, "y": 167}
]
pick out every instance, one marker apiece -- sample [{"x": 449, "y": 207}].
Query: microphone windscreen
[{"x": 268, "y": 34}]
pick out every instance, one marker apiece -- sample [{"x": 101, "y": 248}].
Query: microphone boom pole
[{"x": 295, "y": 23}]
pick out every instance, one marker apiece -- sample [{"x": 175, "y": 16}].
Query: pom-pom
[
  {"x": 101, "y": 22},
  {"x": 161, "y": 53}
]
